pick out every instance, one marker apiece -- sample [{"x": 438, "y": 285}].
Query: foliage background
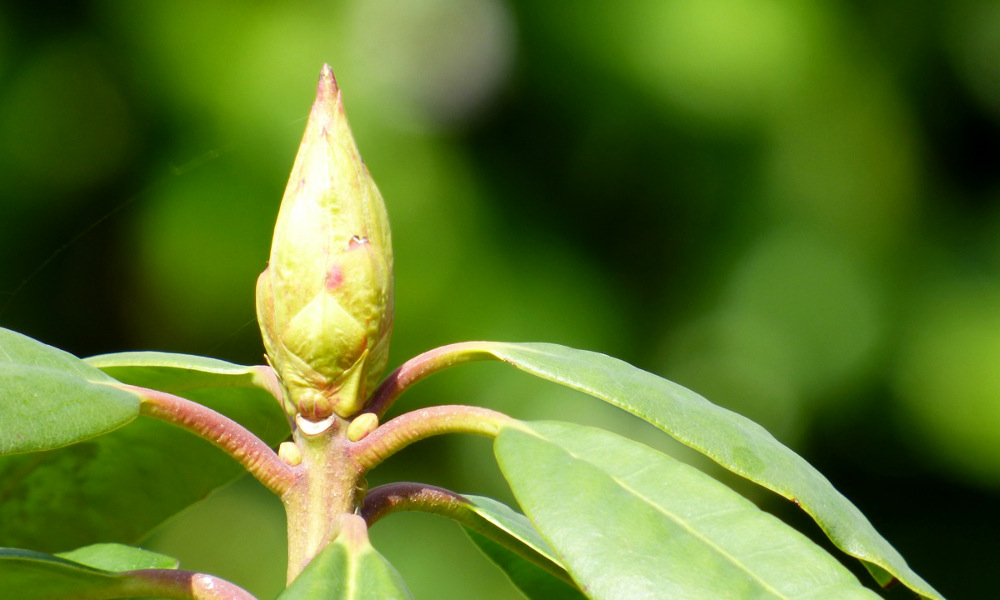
[{"x": 790, "y": 207}]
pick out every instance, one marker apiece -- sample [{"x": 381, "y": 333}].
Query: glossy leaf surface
[
  {"x": 730, "y": 439},
  {"x": 50, "y": 398},
  {"x": 348, "y": 569},
  {"x": 631, "y": 522},
  {"x": 117, "y": 487}
]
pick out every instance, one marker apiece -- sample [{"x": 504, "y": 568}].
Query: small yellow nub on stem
[
  {"x": 361, "y": 426},
  {"x": 289, "y": 452}
]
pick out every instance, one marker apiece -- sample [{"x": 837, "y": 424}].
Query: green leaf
[
  {"x": 118, "y": 557},
  {"x": 631, "y": 522},
  {"x": 348, "y": 569},
  {"x": 533, "y": 581},
  {"x": 512, "y": 529},
  {"x": 36, "y": 576},
  {"x": 118, "y": 487},
  {"x": 730, "y": 439},
  {"x": 506, "y": 537},
  {"x": 28, "y": 575},
  {"x": 175, "y": 373},
  {"x": 50, "y": 398},
  {"x": 509, "y": 539}
]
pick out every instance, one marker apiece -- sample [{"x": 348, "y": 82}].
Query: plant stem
[
  {"x": 228, "y": 435},
  {"x": 326, "y": 488},
  {"x": 172, "y": 584},
  {"x": 416, "y": 425},
  {"x": 408, "y": 496},
  {"x": 329, "y": 481},
  {"x": 421, "y": 366}
]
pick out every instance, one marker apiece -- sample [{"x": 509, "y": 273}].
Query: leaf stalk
[
  {"x": 398, "y": 433},
  {"x": 172, "y": 584},
  {"x": 419, "y": 367},
  {"x": 226, "y": 434}
]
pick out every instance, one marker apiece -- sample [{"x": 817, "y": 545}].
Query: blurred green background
[{"x": 791, "y": 207}]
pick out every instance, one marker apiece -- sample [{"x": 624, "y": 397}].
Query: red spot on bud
[{"x": 334, "y": 277}]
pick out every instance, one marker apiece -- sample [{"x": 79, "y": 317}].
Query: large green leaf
[
  {"x": 631, "y": 522},
  {"x": 50, "y": 398},
  {"x": 119, "y": 486},
  {"x": 28, "y": 575},
  {"x": 348, "y": 569},
  {"x": 732, "y": 440}
]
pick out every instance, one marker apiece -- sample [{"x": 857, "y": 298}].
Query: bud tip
[{"x": 327, "y": 89}]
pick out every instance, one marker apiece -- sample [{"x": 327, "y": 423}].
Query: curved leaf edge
[
  {"x": 220, "y": 373},
  {"x": 886, "y": 568},
  {"x": 533, "y": 581},
  {"x": 173, "y": 360},
  {"x": 515, "y": 532}
]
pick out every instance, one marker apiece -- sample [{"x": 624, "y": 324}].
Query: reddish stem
[
  {"x": 406, "y": 496},
  {"x": 403, "y": 496},
  {"x": 228, "y": 435},
  {"x": 182, "y": 585},
  {"x": 421, "y": 366},
  {"x": 418, "y": 424}
]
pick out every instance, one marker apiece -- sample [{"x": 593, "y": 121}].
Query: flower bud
[{"x": 324, "y": 302}]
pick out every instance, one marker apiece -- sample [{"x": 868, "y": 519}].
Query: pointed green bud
[{"x": 324, "y": 302}]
